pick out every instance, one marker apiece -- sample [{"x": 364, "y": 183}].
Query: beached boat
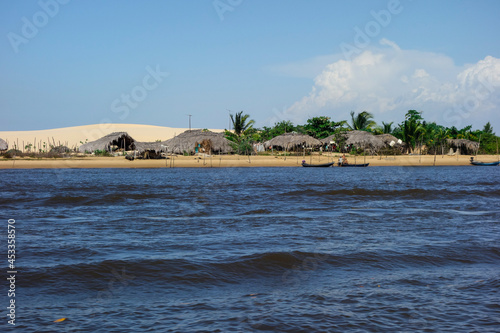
[
  {"x": 324, "y": 165},
  {"x": 484, "y": 163},
  {"x": 354, "y": 165}
]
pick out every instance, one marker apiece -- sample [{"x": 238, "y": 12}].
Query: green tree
[
  {"x": 442, "y": 134},
  {"x": 453, "y": 132},
  {"x": 284, "y": 126},
  {"x": 243, "y": 146},
  {"x": 465, "y": 133},
  {"x": 363, "y": 121},
  {"x": 489, "y": 141},
  {"x": 321, "y": 127},
  {"x": 488, "y": 129},
  {"x": 414, "y": 114},
  {"x": 243, "y": 135},
  {"x": 412, "y": 132},
  {"x": 241, "y": 123},
  {"x": 387, "y": 127}
]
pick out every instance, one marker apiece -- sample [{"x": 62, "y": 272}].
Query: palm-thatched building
[
  {"x": 290, "y": 141},
  {"x": 329, "y": 139},
  {"x": 3, "y": 145},
  {"x": 364, "y": 140},
  {"x": 389, "y": 138},
  {"x": 465, "y": 147},
  {"x": 198, "y": 141},
  {"x": 110, "y": 142},
  {"x": 151, "y": 150}
]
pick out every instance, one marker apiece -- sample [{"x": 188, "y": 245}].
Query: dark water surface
[{"x": 378, "y": 249}]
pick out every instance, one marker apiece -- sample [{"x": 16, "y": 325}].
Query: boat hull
[
  {"x": 484, "y": 164},
  {"x": 354, "y": 165},
  {"x": 324, "y": 165}
]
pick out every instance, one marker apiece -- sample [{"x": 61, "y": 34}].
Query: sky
[{"x": 73, "y": 62}]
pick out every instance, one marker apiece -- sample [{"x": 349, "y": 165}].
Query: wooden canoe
[
  {"x": 354, "y": 165},
  {"x": 324, "y": 165},
  {"x": 484, "y": 163}
]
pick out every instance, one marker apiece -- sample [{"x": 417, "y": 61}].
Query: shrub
[
  {"x": 60, "y": 150},
  {"x": 12, "y": 152},
  {"x": 102, "y": 153}
]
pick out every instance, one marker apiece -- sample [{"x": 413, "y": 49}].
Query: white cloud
[
  {"x": 419, "y": 73},
  {"x": 388, "y": 81},
  {"x": 387, "y": 42}
]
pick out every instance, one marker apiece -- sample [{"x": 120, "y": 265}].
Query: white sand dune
[{"x": 74, "y": 136}]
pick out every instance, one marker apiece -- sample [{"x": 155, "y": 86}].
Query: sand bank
[
  {"x": 216, "y": 161},
  {"x": 73, "y": 136}
]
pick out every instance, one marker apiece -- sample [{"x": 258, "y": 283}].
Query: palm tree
[
  {"x": 412, "y": 132},
  {"x": 240, "y": 124},
  {"x": 387, "y": 127},
  {"x": 465, "y": 133},
  {"x": 488, "y": 129},
  {"x": 441, "y": 135},
  {"x": 362, "y": 122}
]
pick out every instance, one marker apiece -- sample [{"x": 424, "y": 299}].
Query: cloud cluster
[{"x": 388, "y": 81}]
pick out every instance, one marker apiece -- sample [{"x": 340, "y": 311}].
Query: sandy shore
[
  {"x": 73, "y": 136},
  {"x": 230, "y": 161}
]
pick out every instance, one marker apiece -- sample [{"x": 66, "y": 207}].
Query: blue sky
[{"x": 69, "y": 63}]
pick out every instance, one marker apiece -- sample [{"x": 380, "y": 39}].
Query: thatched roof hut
[
  {"x": 189, "y": 140},
  {"x": 364, "y": 140},
  {"x": 292, "y": 140},
  {"x": 119, "y": 139},
  {"x": 156, "y": 147},
  {"x": 149, "y": 149},
  {"x": 466, "y": 147},
  {"x": 388, "y": 138},
  {"x": 329, "y": 139},
  {"x": 3, "y": 145}
]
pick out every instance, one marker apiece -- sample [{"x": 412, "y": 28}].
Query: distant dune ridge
[{"x": 74, "y": 136}]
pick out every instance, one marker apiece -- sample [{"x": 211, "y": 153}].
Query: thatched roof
[
  {"x": 149, "y": 146},
  {"x": 120, "y": 139},
  {"x": 466, "y": 146},
  {"x": 189, "y": 140},
  {"x": 291, "y": 140},
  {"x": 328, "y": 139},
  {"x": 3, "y": 145},
  {"x": 388, "y": 138},
  {"x": 365, "y": 140}
]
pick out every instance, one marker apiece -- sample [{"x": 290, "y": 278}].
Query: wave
[
  {"x": 98, "y": 200},
  {"x": 258, "y": 265},
  {"x": 257, "y": 212},
  {"x": 395, "y": 192}
]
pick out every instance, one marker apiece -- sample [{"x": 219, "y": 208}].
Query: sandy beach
[
  {"x": 73, "y": 136},
  {"x": 222, "y": 161}
]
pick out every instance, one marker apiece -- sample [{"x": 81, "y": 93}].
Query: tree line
[{"x": 414, "y": 131}]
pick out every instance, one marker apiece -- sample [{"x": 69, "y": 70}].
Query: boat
[
  {"x": 354, "y": 165},
  {"x": 484, "y": 163},
  {"x": 324, "y": 165}
]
